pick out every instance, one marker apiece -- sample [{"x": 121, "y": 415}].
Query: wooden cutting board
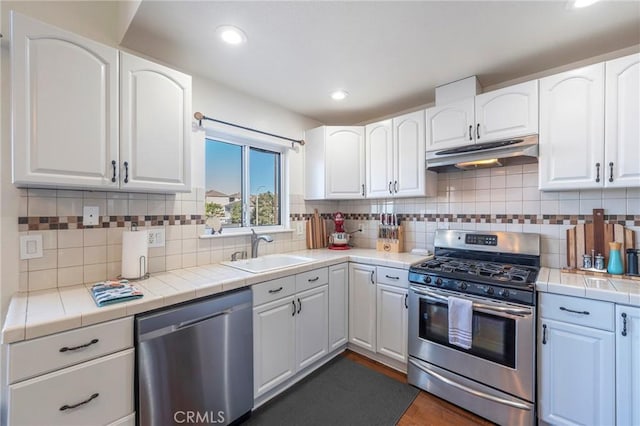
[
  {"x": 584, "y": 237},
  {"x": 316, "y": 231}
]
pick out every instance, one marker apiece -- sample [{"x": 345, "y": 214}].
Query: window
[{"x": 243, "y": 185}]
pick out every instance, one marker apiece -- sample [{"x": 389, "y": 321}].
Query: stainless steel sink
[{"x": 267, "y": 263}]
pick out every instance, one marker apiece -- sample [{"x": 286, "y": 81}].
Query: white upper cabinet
[
  {"x": 379, "y": 159},
  {"x": 64, "y": 107},
  {"x": 155, "y": 130},
  {"x": 500, "y": 114},
  {"x": 622, "y": 122},
  {"x": 450, "y": 125},
  {"x": 395, "y": 158},
  {"x": 67, "y": 102},
  {"x": 507, "y": 113},
  {"x": 334, "y": 163},
  {"x": 572, "y": 129}
]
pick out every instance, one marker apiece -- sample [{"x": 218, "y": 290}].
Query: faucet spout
[{"x": 255, "y": 240}]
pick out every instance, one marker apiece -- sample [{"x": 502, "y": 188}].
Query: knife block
[{"x": 392, "y": 245}]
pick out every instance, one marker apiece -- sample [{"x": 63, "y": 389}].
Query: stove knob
[
  {"x": 489, "y": 291},
  {"x": 427, "y": 279},
  {"x": 505, "y": 293},
  {"x": 462, "y": 285},
  {"x": 439, "y": 281}
]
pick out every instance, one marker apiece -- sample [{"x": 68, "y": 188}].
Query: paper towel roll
[{"x": 134, "y": 245}]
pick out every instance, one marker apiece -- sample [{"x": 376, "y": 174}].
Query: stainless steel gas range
[{"x": 496, "y": 271}]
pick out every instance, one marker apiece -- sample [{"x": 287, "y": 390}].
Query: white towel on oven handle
[{"x": 460, "y": 322}]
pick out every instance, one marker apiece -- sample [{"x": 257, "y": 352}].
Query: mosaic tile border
[{"x": 43, "y": 223}]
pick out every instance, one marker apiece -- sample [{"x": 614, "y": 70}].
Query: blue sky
[{"x": 223, "y": 173}]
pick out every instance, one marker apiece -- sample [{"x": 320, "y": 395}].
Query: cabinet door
[
  {"x": 392, "y": 322},
  {"x": 379, "y": 159},
  {"x": 65, "y": 107},
  {"x": 338, "y": 305},
  {"x": 507, "y": 113},
  {"x": 577, "y": 372},
  {"x": 627, "y": 365},
  {"x": 273, "y": 344},
  {"x": 572, "y": 129},
  {"x": 362, "y": 306},
  {"x": 409, "y": 155},
  {"x": 344, "y": 155},
  {"x": 622, "y": 126},
  {"x": 450, "y": 125},
  {"x": 155, "y": 133},
  {"x": 312, "y": 326}
]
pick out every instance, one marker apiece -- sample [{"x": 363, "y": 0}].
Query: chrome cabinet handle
[
  {"x": 299, "y": 305},
  {"x": 294, "y": 307},
  {"x": 406, "y": 305},
  {"x": 624, "y": 324},
  {"x": 277, "y": 290},
  {"x": 470, "y": 132},
  {"x": 478, "y": 131},
  {"x": 562, "y": 308},
  {"x": 312, "y": 280},
  {"x": 86, "y": 401},
  {"x": 597, "y": 172},
  {"x": 126, "y": 172},
  {"x": 113, "y": 163},
  {"x": 544, "y": 334},
  {"x": 611, "y": 171},
  {"x": 372, "y": 281},
  {"x": 395, "y": 186},
  {"x": 74, "y": 348},
  {"x": 392, "y": 278}
]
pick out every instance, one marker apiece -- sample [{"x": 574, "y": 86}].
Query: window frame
[{"x": 246, "y": 142}]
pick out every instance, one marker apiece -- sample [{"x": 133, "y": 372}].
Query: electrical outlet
[
  {"x": 299, "y": 227},
  {"x": 90, "y": 216},
  {"x": 30, "y": 246},
  {"x": 156, "y": 237},
  {"x": 360, "y": 227}
]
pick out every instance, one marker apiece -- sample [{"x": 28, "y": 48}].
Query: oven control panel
[
  {"x": 478, "y": 289},
  {"x": 481, "y": 239}
]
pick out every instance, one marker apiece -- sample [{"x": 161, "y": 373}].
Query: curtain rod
[{"x": 200, "y": 116}]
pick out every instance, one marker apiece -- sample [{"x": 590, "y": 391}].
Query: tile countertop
[
  {"x": 609, "y": 289},
  {"x": 40, "y": 313}
]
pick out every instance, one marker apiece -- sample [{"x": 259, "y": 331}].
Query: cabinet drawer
[
  {"x": 576, "y": 310},
  {"x": 274, "y": 289},
  {"x": 393, "y": 276},
  {"x": 38, "y": 356},
  {"x": 311, "y": 279},
  {"x": 101, "y": 391}
]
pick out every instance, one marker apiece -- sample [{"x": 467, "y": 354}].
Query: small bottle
[
  {"x": 615, "y": 259},
  {"x": 599, "y": 262},
  {"x": 632, "y": 262},
  {"x": 586, "y": 261}
]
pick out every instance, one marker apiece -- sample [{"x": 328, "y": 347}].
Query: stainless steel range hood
[{"x": 491, "y": 154}]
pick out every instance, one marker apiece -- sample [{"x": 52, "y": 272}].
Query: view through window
[{"x": 242, "y": 185}]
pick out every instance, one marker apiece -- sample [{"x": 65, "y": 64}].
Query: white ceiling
[{"x": 388, "y": 55}]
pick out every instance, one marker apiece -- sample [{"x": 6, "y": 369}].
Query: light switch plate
[
  {"x": 299, "y": 227},
  {"x": 90, "y": 216},
  {"x": 30, "y": 246},
  {"x": 156, "y": 237}
]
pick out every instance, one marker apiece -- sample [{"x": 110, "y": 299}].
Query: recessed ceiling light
[
  {"x": 339, "y": 95},
  {"x": 583, "y": 3},
  {"x": 232, "y": 35}
]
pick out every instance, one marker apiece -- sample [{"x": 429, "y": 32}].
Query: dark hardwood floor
[{"x": 426, "y": 409}]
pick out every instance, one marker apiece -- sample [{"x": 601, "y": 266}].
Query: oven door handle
[
  {"x": 493, "y": 308},
  {"x": 463, "y": 388}
]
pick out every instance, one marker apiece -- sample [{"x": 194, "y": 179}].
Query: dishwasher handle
[{"x": 201, "y": 319}]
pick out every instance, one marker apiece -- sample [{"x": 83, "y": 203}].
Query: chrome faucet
[{"x": 255, "y": 240}]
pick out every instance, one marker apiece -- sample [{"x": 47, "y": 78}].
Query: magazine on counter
[{"x": 109, "y": 292}]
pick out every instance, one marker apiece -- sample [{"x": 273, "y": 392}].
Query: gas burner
[{"x": 505, "y": 273}]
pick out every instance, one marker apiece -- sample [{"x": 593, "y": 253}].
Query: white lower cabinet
[
  {"x": 290, "y": 332},
  {"x": 576, "y": 361},
  {"x": 93, "y": 385},
  {"x": 392, "y": 319},
  {"x": 362, "y": 306},
  {"x": 338, "y": 305},
  {"x": 627, "y": 365}
]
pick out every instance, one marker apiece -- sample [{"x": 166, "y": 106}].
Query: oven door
[{"x": 503, "y": 346}]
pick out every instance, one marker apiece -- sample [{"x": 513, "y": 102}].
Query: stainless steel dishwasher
[{"x": 195, "y": 362}]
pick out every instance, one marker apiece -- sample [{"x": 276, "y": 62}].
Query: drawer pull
[
  {"x": 544, "y": 334},
  {"x": 73, "y": 348},
  {"x": 86, "y": 401},
  {"x": 277, "y": 290},
  {"x": 562, "y": 308},
  {"x": 312, "y": 280},
  {"x": 624, "y": 324},
  {"x": 392, "y": 278}
]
